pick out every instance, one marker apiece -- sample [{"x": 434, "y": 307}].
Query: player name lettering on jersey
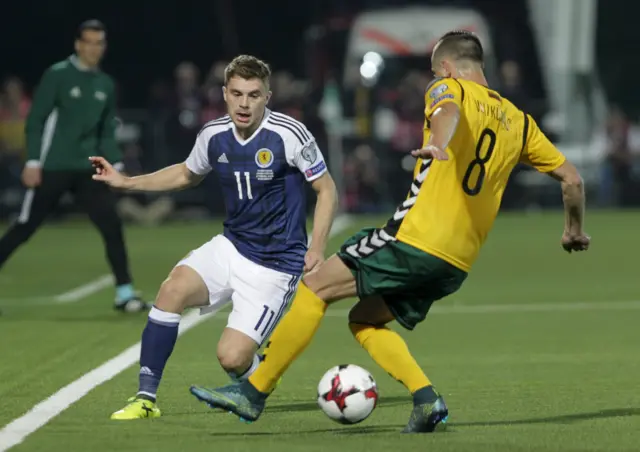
[
  {"x": 494, "y": 111},
  {"x": 466, "y": 191}
]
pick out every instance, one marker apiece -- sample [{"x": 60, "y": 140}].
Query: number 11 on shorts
[{"x": 268, "y": 314}]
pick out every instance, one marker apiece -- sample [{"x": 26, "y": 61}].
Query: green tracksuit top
[{"x": 72, "y": 117}]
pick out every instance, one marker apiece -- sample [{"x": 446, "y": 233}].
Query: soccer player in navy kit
[{"x": 263, "y": 159}]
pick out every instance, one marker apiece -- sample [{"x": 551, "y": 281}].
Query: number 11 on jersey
[{"x": 247, "y": 178}]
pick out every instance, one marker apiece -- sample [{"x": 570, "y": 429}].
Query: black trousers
[{"x": 98, "y": 201}]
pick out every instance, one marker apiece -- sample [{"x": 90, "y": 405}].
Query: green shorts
[{"x": 408, "y": 279}]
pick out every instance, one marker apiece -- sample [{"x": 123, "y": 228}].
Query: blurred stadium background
[
  {"x": 536, "y": 352},
  {"x": 354, "y": 72}
]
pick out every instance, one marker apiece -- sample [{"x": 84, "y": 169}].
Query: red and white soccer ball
[{"x": 347, "y": 394}]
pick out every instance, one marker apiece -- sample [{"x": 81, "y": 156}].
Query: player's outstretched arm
[
  {"x": 574, "y": 238},
  {"x": 444, "y": 122},
  {"x": 326, "y": 206},
  {"x": 171, "y": 178},
  {"x": 541, "y": 154}
]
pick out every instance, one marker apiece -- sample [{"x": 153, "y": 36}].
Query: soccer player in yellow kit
[{"x": 473, "y": 139}]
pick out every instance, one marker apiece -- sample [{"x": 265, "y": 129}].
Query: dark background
[
  {"x": 304, "y": 42},
  {"x": 147, "y": 39}
]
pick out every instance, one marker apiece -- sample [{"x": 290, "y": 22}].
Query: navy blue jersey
[{"x": 262, "y": 181}]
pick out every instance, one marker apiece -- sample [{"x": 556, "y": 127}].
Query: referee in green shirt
[{"x": 73, "y": 117}]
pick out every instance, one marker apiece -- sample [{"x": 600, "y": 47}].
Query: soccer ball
[{"x": 347, "y": 394}]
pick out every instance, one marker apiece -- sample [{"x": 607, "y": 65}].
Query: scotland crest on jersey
[{"x": 262, "y": 181}]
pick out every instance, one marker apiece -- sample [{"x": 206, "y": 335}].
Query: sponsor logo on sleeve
[
  {"x": 314, "y": 170},
  {"x": 440, "y": 99},
  {"x": 438, "y": 90}
]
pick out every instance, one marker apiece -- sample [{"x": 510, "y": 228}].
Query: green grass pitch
[{"x": 537, "y": 352}]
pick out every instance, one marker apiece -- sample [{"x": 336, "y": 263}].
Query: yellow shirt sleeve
[
  {"x": 538, "y": 151},
  {"x": 441, "y": 92}
]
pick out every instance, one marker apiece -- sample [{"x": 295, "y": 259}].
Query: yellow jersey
[{"x": 452, "y": 204}]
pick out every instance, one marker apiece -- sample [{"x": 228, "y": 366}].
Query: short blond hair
[
  {"x": 460, "y": 45},
  {"x": 247, "y": 67}
]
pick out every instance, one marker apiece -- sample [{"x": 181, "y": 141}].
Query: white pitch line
[
  {"x": 85, "y": 290},
  {"x": 453, "y": 309},
  {"x": 341, "y": 223},
  {"x": 71, "y": 296},
  {"x": 17, "y": 431},
  {"x": 537, "y": 307},
  {"x": 518, "y": 308}
]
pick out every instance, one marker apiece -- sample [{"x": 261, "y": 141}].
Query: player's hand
[
  {"x": 105, "y": 172},
  {"x": 312, "y": 260},
  {"x": 430, "y": 152},
  {"x": 575, "y": 242},
  {"x": 31, "y": 176}
]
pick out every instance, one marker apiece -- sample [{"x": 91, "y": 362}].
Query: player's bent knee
[
  {"x": 235, "y": 359},
  {"x": 357, "y": 316},
  {"x": 236, "y": 350},
  {"x": 353, "y": 316},
  {"x": 371, "y": 311},
  {"x": 172, "y": 296},
  {"x": 313, "y": 283},
  {"x": 182, "y": 289},
  {"x": 333, "y": 281}
]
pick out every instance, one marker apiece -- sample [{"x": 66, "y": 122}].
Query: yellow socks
[
  {"x": 297, "y": 328},
  {"x": 390, "y": 352},
  {"x": 290, "y": 338}
]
